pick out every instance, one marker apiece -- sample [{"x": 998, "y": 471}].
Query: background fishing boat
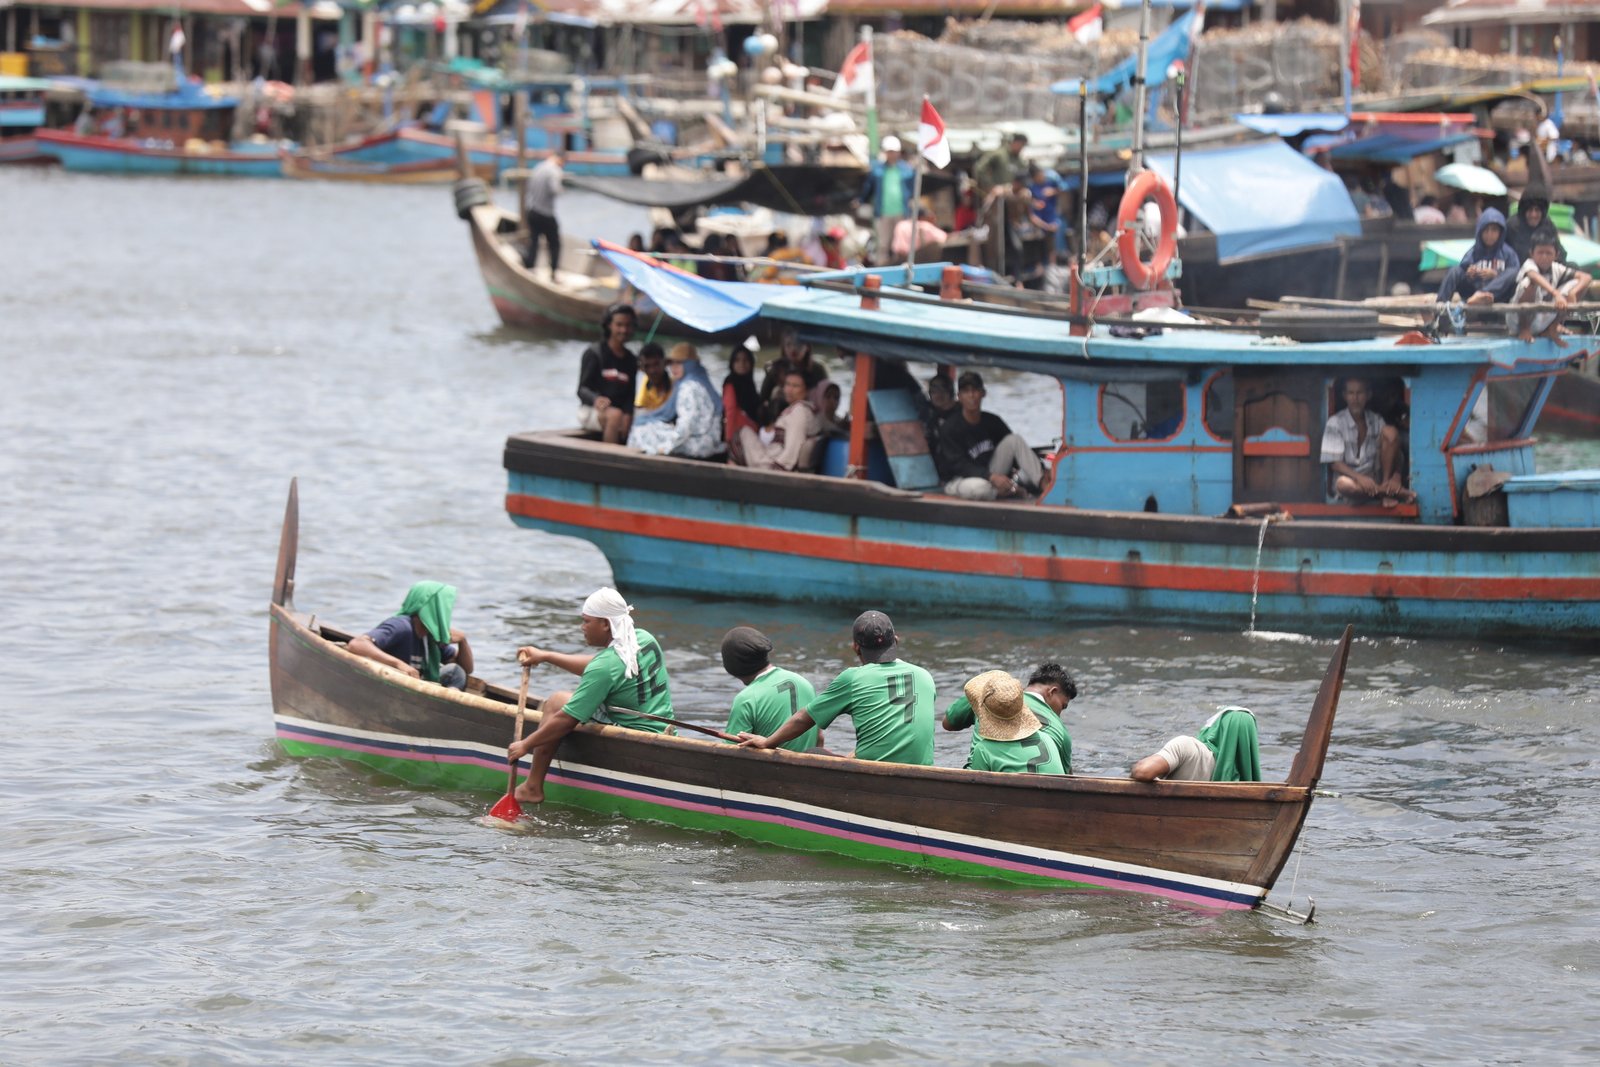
[{"x": 1216, "y": 844}]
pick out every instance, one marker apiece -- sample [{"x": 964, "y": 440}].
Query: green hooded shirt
[
  {"x": 432, "y": 603},
  {"x": 1231, "y": 737}
]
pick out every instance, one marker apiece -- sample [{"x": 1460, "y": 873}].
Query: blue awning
[
  {"x": 1396, "y": 147},
  {"x": 694, "y": 301},
  {"x": 1262, "y": 198},
  {"x": 1293, "y": 125},
  {"x": 1171, "y": 44}
]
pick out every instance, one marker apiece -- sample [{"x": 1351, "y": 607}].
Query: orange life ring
[{"x": 1147, "y": 186}]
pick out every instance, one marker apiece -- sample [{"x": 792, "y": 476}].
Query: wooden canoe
[
  {"x": 1215, "y": 844},
  {"x": 315, "y": 165}
]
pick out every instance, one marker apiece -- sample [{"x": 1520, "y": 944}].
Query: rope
[{"x": 1299, "y": 854}]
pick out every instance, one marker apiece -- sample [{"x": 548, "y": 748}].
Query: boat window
[
  {"x": 1141, "y": 411},
  {"x": 1508, "y": 402},
  {"x": 1219, "y": 406}
]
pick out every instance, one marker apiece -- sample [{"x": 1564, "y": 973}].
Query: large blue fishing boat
[{"x": 1187, "y": 485}]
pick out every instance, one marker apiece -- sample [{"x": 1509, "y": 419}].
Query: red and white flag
[
  {"x": 931, "y": 141},
  {"x": 1355, "y": 44},
  {"x": 176, "y": 42},
  {"x": 855, "y": 76},
  {"x": 1088, "y": 25}
]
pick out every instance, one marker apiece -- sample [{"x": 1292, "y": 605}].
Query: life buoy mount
[{"x": 1148, "y": 185}]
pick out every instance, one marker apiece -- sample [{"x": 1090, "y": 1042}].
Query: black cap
[
  {"x": 874, "y": 636},
  {"x": 969, "y": 380},
  {"x": 745, "y": 651}
]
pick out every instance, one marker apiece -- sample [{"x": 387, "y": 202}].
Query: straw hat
[{"x": 996, "y": 697}]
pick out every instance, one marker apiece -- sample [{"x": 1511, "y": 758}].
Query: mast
[{"x": 1139, "y": 89}]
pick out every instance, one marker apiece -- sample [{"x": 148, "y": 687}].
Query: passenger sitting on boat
[
  {"x": 1008, "y": 737},
  {"x": 979, "y": 458},
  {"x": 889, "y": 701},
  {"x": 941, "y": 405},
  {"x": 791, "y": 442},
  {"x": 825, "y": 398},
  {"x": 606, "y": 377},
  {"x": 1486, "y": 273},
  {"x": 655, "y": 384},
  {"x": 770, "y": 694},
  {"x": 1545, "y": 280},
  {"x": 1532, "y": 222},
  {"x": 930, "y": 239},
  {"x": 795, "y": 355},
  {"x": 1050, "y": 690},
  {"x": 1359, "y": 448},
  {"x": 419, "y": 642},
  {"x": 1427, "y": 212},
  {"x": 1226, "y": 751},
  {"x": 779, "y": 249},
  {"x": 539, "y": 194},
  {"x": 690, "y": 422},
  {"x": 717, "y": 245},
  {"x": 831, "y": 241},
  {"x": 628, "y": 674}
]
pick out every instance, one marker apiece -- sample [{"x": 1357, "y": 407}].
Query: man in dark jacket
[
  {"x": 1488, "y": 271},
  {"x": 1533, "y": 220}
]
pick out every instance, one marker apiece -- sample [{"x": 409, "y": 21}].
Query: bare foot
[
  {"x": 1481, "y": 297},
  {"x": 1554, "y": 333},
  {"x": 1525, "y": 334},
  {"x": 528, "y": 793}
]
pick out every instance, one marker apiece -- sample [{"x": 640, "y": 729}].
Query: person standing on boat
[
  {"x": 628, "y": 674},
  {"x": 1361, "y": 450},
  {"x": 770, "y": 694},
  {"x": 993, "y": 174},
  {"x": 1050, "y": 689},
  {"x": 1008, "y": 738},
  {"x": 690, "y": 422},
  {"x": 539, "y": 194},
  {"x": 887, "y": 191},
  {"x": 419, "y": 642},
  {"x": 979, "y": 457},
  {"x": 1488, "y": 270},
  {"x": 889, "y": 701},
  {"x": 1226, "y": 750},
  {"x": 606, "y": 377}
]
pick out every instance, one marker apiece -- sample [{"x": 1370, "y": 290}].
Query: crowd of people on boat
[
  {"x": 664, "y": 403},
  {"x": 1017, "y": 726}
]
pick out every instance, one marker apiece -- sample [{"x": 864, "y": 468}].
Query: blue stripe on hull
[
  {"x": 662, "y": 565},
  {"x": 102, "y": 162}
]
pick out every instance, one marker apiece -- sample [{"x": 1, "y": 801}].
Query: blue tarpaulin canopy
[
  {"x": 692, "y": 300},
  {"x": 1262, "y": 198},
  {"x": 1293, "y": 125},
  {"x": 1171, "y": 44},
  {"x": 1396, "y": 147}
]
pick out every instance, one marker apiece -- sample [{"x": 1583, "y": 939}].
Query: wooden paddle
[
  {"x": 686, "y": 725},
  {"x": 507, "y": 809}
]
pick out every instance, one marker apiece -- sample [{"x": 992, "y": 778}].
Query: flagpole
[
  {"x": 916, "y": 217},
  {"x": 1344, "y": 58},
  {"x": 1083, "y": 175},
  {"x": 1139, "y": 90},
  {"x": 872, "y": 95}
]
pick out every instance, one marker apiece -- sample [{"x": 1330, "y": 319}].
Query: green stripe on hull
[{"x": 475, "y": 778}]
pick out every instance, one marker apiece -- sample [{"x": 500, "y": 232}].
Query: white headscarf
[{"x": 606, "y": 603}]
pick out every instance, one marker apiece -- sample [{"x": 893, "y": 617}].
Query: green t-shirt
[
  {"x": 891, "y": 705},
  {"x": 1031, "y": 755},
  {"x": 894, "y": 193},
  {"x": 959, "y": 716},
  {"x": 768, "y": 702},
  {"x": 604, "y": 685}
]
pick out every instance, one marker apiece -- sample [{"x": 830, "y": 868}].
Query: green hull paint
[{"x": 471, "y": 777}]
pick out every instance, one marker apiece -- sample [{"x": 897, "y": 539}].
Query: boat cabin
[{"x": 188, "y": 113}]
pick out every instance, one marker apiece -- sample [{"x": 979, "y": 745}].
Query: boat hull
[
  {"x": 118, "y": 156},
  {"x": 680, "y": 526}
]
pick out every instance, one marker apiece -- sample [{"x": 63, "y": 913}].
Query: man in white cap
[
  {"x": 887, "y": 191},
  {"x": 626, "y": 675},
  {"x": 889, "y": 701},
  {"x": 1008, "y": 738}
]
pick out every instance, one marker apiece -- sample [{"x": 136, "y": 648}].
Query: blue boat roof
[
  {"x": 186, "y": 97},
  {"x": 935, "y": 330}
]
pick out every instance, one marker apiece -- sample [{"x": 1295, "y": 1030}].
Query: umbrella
[{"x": 1472, "y": 179}]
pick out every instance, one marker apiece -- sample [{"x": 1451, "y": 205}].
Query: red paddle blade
[{"x": 506, "y": 809}]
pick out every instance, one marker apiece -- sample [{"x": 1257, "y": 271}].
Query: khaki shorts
[{"x": 589, "y": 419}]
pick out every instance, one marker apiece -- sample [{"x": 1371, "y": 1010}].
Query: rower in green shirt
[
  {"x": 627, "y": 674},
  {"x": 889, "y": 700},
  {"x": 1008, "y": 737},
  {"x": 770, "y": 694},
  {"x": 1050, "y": 690}
]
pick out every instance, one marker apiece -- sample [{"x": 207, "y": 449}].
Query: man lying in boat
[
  {"x": 1050, "y": 689},
  {"x": 770, "y": 695},
  {"x": 1362, "y": 451},
  {"x": 1008, "y": 737},
  {"x": 979, "y": 458},
  {"x": 1226, "y": 750},
  {"x": 419, "y": 642},
  {"x": 628, "y": 674},
  {"x": 889, "y": 701}
]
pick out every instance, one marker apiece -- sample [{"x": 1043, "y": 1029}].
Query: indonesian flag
[
  {"x": 931, "y": 141},
  {"x": 177, "y": 41},
  {"x": 1355, "y": 44},
  {"x": 855, "y": 76},
  {"x": 1087, "y": 27}
]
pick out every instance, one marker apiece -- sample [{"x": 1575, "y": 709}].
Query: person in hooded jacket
[
  {"x": 1488, "y": 271},
  {"x": 1533, "y": 220}
]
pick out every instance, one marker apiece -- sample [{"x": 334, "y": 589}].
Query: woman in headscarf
[
  {"x": 741, "y": 400},
  {"x": 628, "y": 674},
  {"x": 825, "y": 397},
  {"x": 690, "y": 422},
  {"x": 419, "y": 641}
]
